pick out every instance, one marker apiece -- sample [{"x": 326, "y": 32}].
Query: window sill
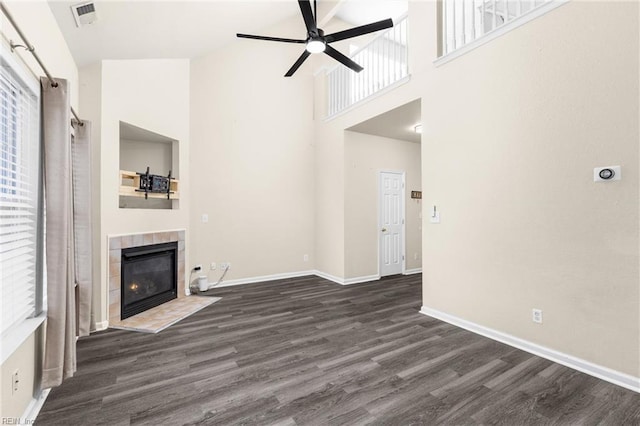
[{"x": 14, "y": 338}]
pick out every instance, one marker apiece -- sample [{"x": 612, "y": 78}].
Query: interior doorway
[
  {"x": 377, "y": 242},
  {"x": 391, "y": 220}
]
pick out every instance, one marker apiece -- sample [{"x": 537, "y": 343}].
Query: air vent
[{"x": 84, "y": 13}]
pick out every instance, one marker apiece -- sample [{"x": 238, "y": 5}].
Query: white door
[{"x": 391, "y": 223}]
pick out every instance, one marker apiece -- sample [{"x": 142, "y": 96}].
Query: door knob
[{"x": 384, "y": 229}]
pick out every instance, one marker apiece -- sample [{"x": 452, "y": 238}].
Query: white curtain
[
  {"x": 68, "y": 233},
  {"x": 81, "y": 171}
]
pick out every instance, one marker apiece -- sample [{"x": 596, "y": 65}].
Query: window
[{"x": 19, "y": 196}]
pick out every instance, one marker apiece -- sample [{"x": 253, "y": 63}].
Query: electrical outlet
[
  {"x": 212, "y": 266},
  {"x": 225, "y": 266},
  {"x": 198, "y": 267},
  {"x": 228, "y": 265},
  {"x": 14, "y": 382},
  {"x": 305, "y": 257},
  {"x": 536, "y": 315},
  {"x": 415, "y": 256}
]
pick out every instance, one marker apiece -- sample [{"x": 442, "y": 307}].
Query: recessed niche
[{"x": 142, "y": 150}]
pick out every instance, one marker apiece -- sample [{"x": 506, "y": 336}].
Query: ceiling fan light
[{"x": 316, "y": 46}]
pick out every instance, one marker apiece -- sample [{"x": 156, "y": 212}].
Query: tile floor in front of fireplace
[{"x": 157, "y": 319}]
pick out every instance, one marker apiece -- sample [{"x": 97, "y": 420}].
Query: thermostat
[{"x": 605, "y": 174}]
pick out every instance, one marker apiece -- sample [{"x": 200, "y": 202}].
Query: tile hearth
[{"x": 157, "y": 319}]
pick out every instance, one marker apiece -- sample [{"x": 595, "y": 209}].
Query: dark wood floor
[{"x": 307, "y": 351}]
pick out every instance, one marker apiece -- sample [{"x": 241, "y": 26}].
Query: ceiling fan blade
[
  {"x": 307, "y": 15},
  {"x": 342, "y": 59},
  {"x": 285, "y": 40},
  {"x": 299, "y": 62},
  {"x": 358, "y": 31}
]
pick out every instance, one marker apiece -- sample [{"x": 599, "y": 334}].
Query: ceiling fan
[{"x": 318, "y": 42}]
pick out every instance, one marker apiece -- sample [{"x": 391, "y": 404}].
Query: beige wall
[
  {"x": 329, "y": 199},
  {"x": 25, "y": 360},
  {"x": 138, "y": 155},
  {"x": 513, "y": 131},
  {"x": 154, "y": 95},
  {"x": 365, "y": 156},
  {"x": 38, "y": 24},
  {"x": 252, "y": 163},
  {"x": 330, "y": 148},
  {"x": 90, "y": 80},
  {"x": 330, "y": 144}
]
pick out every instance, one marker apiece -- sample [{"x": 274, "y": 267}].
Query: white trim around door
[{"x": 391, "y": 231}]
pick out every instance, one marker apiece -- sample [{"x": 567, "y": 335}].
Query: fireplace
[{"x": 149, "y": 277}]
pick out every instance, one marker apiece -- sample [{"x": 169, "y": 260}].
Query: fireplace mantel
[{"x": 119, "y": 242}]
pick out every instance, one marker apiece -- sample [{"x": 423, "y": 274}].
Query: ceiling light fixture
[
  {"x": 417, "y": 128},
  {"x": 316, "y": 46},
  {"x": 316, "y": 41}
]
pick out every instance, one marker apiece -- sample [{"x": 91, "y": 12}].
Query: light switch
[
  {"x": 434, "y": 216},
  {"x": 205, "y": 218}
]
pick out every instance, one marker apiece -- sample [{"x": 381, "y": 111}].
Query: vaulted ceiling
[{"x": 155, "y": 29}]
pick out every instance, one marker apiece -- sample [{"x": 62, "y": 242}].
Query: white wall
[
  {"x": 251, "y": 166},
  {"x": 38, "y": 24},
  {"x": 138, "y": 155},
  {"x": 512, "y": 131},
  {"x": 516, "y": 127},
  {"x": 365, "y": 156},
  {"x": 154, "y": 95},
  {"x": 330, "y": 145},
  {"x": 90, "y": 81}
]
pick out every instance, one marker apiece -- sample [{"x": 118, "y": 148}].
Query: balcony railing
[
  {"x": 385, "y": 62},
  {"x": 464, "y": 21}
]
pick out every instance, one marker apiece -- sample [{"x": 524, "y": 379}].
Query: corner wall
[
  {"x": 365, "y": 156},
  {"x": 252, "y": 165},
  {"x": 331, "y": 240}
]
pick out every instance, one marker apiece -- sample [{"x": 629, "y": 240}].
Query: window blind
[{"x": 19, "y": 186}]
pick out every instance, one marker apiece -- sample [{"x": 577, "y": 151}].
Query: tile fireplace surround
[{"x": 119, "y": 242}]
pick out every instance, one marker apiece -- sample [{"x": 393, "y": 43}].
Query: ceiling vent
[{"x": 84, "y": 13}]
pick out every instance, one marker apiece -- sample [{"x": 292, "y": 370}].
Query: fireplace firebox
[{"x": 149, "y": 277}]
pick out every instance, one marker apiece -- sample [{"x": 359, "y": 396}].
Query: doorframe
[{"x": 404, "y": 219}]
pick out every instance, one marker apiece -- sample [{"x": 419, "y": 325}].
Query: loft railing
[
  {"x": 385, "y": 62},
  {"x": 464, "y": 21}
]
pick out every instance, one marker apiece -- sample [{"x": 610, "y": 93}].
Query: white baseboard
[
  {"x": 103, "y": 325},
  {"x": 616, "y": 377},
  {"x": 267, "y": 278},
  {"x": 263, "y": 278},
  {"x": 363, "y": 279},
  {"x": 34, "y": 407},
  {"x": 412, "y": 271},
  {"x": 346, "y": 281},
  {"x": 329, "y": 277}
]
